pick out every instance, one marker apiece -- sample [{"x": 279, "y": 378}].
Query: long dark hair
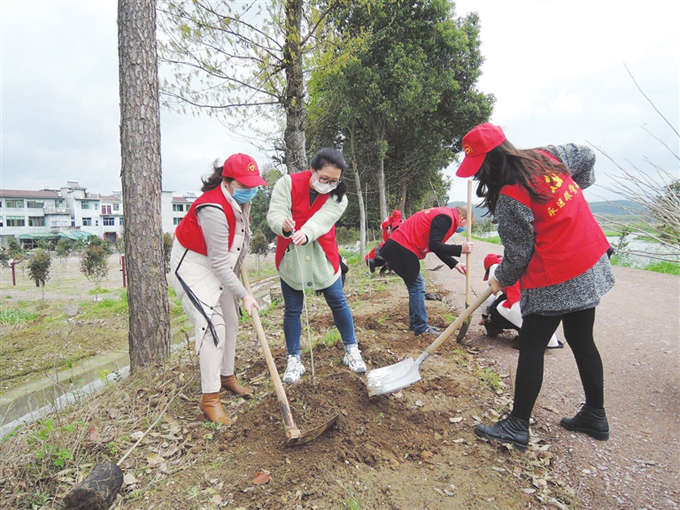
[
  {"x": 214, "y": 179},
  {"x": 331, "y": 157},
  {"x": 506, "y": 164}
]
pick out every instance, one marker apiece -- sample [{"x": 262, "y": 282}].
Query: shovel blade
[
  {"x": 311, "y": 435},
  {"x": 463, "y": 330},
  {"x": 393, "y": 378}
]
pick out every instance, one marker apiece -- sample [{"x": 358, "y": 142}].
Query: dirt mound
[{"x": 411, "y": 449}]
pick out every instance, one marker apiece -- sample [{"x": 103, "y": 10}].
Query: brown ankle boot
[
  {"x": 230, "y": 383},
  {"x": 211, "y": 409}
]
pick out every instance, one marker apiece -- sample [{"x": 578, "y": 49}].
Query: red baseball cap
[
  {"x": 244, "y": 169},
  {"x": 489, "y": 261},
  {"x": 480, "y": 140}
]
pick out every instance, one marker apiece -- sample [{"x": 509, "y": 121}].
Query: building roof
[
  {"x": 109, "y": 198},
  {"x": 69, "y": 234},
  {"x": 21, "y": 193}
]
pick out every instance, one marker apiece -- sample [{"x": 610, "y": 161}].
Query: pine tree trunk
[
  {"x": 294, "y": 101},
  {"x": 140, "y": 141}
]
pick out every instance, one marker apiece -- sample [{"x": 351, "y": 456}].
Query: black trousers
[{"x": 534, "y": 337}]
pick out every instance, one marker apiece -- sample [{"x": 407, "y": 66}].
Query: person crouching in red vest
[
  {"x": 502, "y": 311},
  {"x": 303, "y": 210},
  {"x": 558, "y": 252},
  {"x": 424, "y": 232},
  {"x": 210, "y": 244},
  {"x": 374, "y": 259}
]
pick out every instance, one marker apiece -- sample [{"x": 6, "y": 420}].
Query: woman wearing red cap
[
  {"x": 558, "y": 252},
  {"x": 211, "y": 242}
]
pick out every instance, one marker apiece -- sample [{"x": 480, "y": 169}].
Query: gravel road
[{"x": 637, "y": 330}]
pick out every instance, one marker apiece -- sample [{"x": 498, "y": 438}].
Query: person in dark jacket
[
  {"x": 425, "y": 231},
  {"x": 536, "y": 196}
]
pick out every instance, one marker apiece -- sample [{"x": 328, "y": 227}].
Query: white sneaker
[
  {"x": 353, "y": 359},
  {"x": 294, "y": 370}
]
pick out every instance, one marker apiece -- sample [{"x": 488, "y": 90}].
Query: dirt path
[{"x": 638, "y": 334}]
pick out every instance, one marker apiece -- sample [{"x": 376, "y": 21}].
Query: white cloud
[{"x": 557, "y": 70}]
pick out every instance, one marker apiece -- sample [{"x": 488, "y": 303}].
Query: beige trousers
[{"x": 219, "y": 360}]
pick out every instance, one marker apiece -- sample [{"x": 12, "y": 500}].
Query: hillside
[{"x": 605, "y": 208}]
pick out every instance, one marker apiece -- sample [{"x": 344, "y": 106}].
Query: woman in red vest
[
  {"x": 303, "y": 210},
  {"x": 426, "y": 231},
  {"x": 211, "y": 242},
  {"x": 558, "y": 252}
]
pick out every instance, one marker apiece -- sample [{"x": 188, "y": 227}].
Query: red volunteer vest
[
  {"x": 189, "y": 232},
  {"x": 568, "y": 240},
  {"x": 301, "y": 212},
  {"x": 514, "y": 294},
  {"x": 414, "y": 233}
]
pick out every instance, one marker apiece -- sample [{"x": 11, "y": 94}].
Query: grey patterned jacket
[{"x": 515, "y": 227}]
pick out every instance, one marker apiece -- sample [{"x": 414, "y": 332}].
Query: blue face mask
[
  {"x": 243, "y": 196},
  {"x": 460, "y": 230}
]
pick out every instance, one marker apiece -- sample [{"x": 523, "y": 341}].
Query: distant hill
[{"x": 613, "y": 208}]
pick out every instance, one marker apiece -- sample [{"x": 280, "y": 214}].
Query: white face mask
[{"x": 322, "y": 188}]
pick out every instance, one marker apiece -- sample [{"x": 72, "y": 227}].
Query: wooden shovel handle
[
  {"x": 468, "y": 229},
  {"x": 291, "y": 430},
  {"x": 456, "y": 324}
]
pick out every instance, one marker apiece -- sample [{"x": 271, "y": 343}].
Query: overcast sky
[{"x": 556, "y": 68}]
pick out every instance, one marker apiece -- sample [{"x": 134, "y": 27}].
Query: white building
[{"x": 29, "y": 215}]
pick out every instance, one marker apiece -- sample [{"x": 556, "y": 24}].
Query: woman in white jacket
[{"x": 211, "y": 242}]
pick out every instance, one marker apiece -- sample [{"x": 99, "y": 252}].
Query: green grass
[
  {"x": 657, "y": 267},
  {"x": 10, "y": 316},
  {"x": 97, "y": 291},
  {"x": 493, "y": 240},
  {"x": 663, "y": 267},
  {"x": 352, "y": 257},
  {"x": 331, "y": 336}
]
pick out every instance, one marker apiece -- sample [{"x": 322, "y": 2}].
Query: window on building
[
  {"x": 116, "y": 207},
  {"x": 16, "y": 204},
  {"x": 108, "y": 221},
  {"x": 175, "y": 221},
  {"x": 59, "y": 203},
  {"x": 121, "y": 222},
  {"x": 36, "y": 221},
  {"x": 16, "y": 221},
  {"x": 106, "y": 209},
  {"x": 87, "y": 222},
  {"x": 35, "y": 204},
  {"x": 84, "y": 205},
  {"x": 178, "y": 207},
  {"x": 2, "y": 223},
  {"x": 96, "y": 223}
]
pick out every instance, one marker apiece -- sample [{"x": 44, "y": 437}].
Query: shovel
[
  {"x": 293, "y": 434},
  {"x": 464, "y": 327},
  {"x": 405, "y": 373}
]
